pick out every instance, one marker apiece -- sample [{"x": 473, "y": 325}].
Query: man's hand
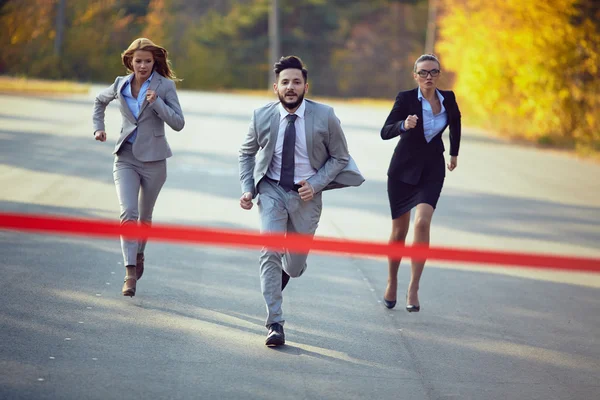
[
  {"x": 306, "y": 192},
  {"x": 246, "y": 201},
  {"x": 453, "y": 163},
  {"x": 100, "y": 135},
  {"x": 410, "y": 122}
]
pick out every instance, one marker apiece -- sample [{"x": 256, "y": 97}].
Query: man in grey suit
[{"x": 294, "y": 150}]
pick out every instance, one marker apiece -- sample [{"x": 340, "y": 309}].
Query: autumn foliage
[{"x": 526, "y": 67}]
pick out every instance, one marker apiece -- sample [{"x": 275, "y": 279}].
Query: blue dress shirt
[
  {"x": 432, "y": 124},
  {"x": 135, "y": 104}
]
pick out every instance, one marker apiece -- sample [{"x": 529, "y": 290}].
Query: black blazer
[{"x": 412, "y": 152}]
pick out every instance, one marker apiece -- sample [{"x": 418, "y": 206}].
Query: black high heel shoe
[
  {"x": 389, "y": 303},
  {"x": 412, "y": 307}
]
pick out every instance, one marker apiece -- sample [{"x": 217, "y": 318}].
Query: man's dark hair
[{"x": 290, "y": 62}]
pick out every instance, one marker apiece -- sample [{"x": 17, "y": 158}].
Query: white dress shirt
[{"x": 303, "y": 169}]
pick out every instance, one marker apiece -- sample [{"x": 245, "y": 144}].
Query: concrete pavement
[{"x": 196, "y": 327}]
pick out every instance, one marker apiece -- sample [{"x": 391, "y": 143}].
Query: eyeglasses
[{"x": 423, "y": 73}]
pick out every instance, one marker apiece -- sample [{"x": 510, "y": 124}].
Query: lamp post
[
  {"x": 274, "y": 41},
  {"x": 431, "y": 25},
  {"x": 60, "y": 27}
]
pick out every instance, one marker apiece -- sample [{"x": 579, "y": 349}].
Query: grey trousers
[
  {"x": 138, "y": 184},
  {"x": 282, "y": 211}
]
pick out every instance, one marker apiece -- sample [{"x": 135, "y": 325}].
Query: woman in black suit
[{"x": 416, "y": 172}]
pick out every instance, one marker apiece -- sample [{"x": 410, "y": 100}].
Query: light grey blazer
[
  {"x": 325, "y": 141},
  {"x": 150, "y": 143}
]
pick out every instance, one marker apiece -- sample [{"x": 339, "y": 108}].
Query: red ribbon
[{"x": 292, "y": 242}]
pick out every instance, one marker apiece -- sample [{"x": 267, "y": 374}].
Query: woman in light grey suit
[{"x": 147, "y": 100}]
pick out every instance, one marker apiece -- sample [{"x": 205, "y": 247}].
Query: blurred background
[{"x": 522, "y": 68}]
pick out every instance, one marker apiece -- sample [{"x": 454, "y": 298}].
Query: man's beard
[{"x": 293, "y": 104}]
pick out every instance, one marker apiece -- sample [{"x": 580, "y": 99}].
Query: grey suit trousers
[
  {"x": 282, "y": 211},
  {"x": 138, "y": 184}
]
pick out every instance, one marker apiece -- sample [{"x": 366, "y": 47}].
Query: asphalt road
[{"x": 196, "y": 327}]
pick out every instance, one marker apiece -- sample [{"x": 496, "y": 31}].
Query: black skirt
[{"x": 404, "y": 196}]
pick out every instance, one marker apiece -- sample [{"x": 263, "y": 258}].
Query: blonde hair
[
  {"x": 162, "y": 64},
  {"x": 427, "y": 57}
]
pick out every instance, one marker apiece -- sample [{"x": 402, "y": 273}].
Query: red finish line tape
[{"x": 295, "y": 243}]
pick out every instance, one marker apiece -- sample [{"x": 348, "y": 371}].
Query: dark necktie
[{"x": 286, "y": 180}]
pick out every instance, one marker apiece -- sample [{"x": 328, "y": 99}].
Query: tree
[
  {"x": 525, "y": 67},
  {"x": 26, "y": 34}
]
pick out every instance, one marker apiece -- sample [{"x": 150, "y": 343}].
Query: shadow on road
[
  {"x": 201, "y": 306},
  {"x": 217, "y": 174},
  {"x": 487, "y": 214}
]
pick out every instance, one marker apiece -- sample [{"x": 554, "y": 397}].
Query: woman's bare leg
[
  {"x": 399, "y": 230},
  {"x": 423, "y": 218}
]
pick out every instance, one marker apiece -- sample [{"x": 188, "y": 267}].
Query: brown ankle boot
[
  {"x": 139, "y": 265},
  {"x": 129, "y": 286},
  {"x": 129, "y": 283}
]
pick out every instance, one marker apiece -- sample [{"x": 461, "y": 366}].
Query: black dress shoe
[
  {"x": 275, "y": 337},
  {"x": 389, "y": 303},
  {"x": 285, "y": 278}
]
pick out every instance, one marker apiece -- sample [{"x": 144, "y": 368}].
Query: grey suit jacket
[
  {"x": 150, "y": 143},
  {"x": 325, "y": 141}
]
